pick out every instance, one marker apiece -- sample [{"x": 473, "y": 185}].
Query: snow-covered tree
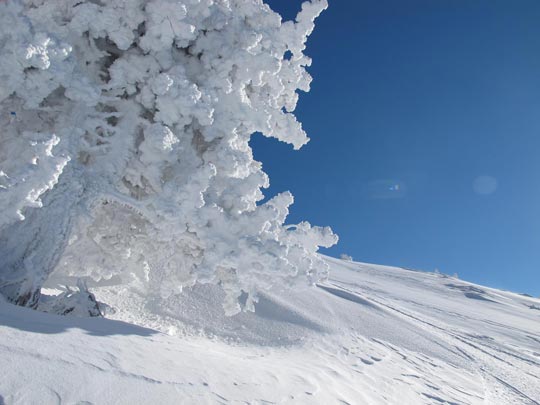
[
  {"x": 124, "y": 149},
  {"x": 346, "y": 257}
]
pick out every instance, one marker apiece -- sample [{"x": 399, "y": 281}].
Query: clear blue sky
[{"x": 424, "y": 118}]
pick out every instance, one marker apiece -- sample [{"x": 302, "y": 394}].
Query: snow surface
[{"x": 369, "y": 335}]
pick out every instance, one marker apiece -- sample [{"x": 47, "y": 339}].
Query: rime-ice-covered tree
[
  {"x": 346, "y": 257},
  {"x": 124, "y": 145}
]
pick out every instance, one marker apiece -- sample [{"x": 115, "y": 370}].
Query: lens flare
[{"x": 485, "y": 185}]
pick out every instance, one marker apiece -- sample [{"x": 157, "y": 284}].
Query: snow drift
[{"x": 368, "y": 335}]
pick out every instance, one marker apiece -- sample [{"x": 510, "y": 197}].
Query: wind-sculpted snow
[
  {"x": 124, "y": 151},
  {"x": 368, "y": 335}
]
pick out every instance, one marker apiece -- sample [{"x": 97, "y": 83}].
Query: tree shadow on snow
[{"x": 29, "y": 320}]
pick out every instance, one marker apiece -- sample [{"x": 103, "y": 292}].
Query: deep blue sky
[{"x": 412, "y": 102}]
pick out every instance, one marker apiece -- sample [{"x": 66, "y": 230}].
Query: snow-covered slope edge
[{"x": 371, "y": 334}]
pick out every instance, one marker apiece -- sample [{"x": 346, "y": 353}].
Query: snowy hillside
[{"x": 370, "y": 334}]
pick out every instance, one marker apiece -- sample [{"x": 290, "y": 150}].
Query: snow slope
[{"x": 369, "y": 335}]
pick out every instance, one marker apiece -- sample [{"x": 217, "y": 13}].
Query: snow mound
[{"x": 369, "y": 335}]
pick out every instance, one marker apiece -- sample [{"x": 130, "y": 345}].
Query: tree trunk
[{"x": 30, "y": 249}]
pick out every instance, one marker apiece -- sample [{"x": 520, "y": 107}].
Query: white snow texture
[
  {"x": 124, "y": 151},
  {"x": 369, "y": 335}
]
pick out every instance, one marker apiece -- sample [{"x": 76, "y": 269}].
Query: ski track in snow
[{"x": 369, "y": 335}]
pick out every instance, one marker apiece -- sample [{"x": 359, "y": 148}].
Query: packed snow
[{"x": 368, "y": 335}]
